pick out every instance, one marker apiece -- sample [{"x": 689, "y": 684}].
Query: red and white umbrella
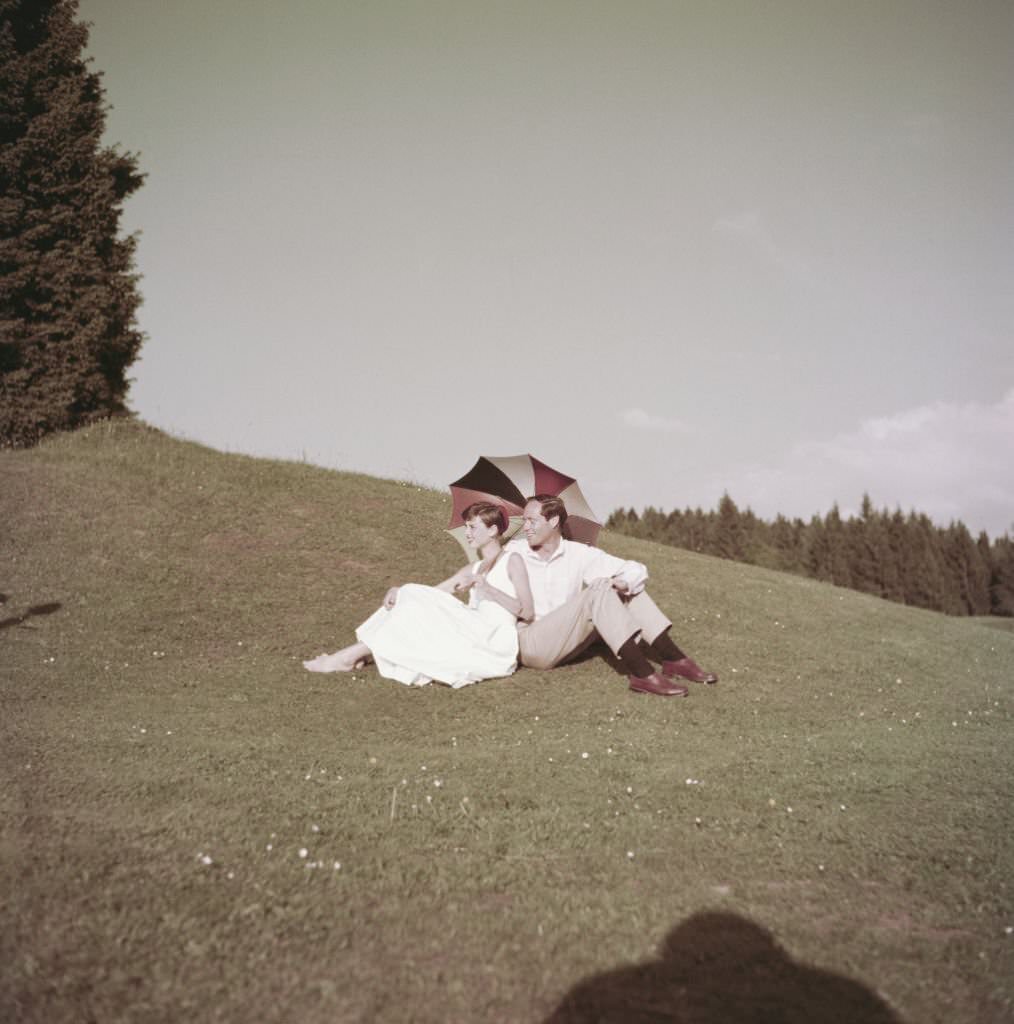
[{"x": 507, "y": 481}]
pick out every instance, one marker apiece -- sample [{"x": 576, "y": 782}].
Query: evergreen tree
[
  {"x": 924, "y": 578},
  {"x": 896, "y": 582},
  {"x": 968, "y": 574},
  {"x": 783, "y": 542},
  {"x": 68, "y": 295},
  {"x": 818, "y": 551},
  {"x": 729, "y": 533},
  {"x": 867, "y": 545},
  {"x": 1001, "y": 587}
]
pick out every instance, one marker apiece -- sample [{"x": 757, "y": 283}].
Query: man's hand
[{"x": 390, "y": 598}]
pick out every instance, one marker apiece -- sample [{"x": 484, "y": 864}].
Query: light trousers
[{"x": 597, "y": 611}]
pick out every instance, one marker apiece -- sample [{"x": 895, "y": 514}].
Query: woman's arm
[
  {"x": 459, "y": 581},
  {"x": 519, "y": 577},
  {"x": 521, "y": 607}
]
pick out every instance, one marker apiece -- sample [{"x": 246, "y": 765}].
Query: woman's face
[{"x": 477, "y": 532}]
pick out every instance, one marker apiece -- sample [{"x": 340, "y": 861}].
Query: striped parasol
[{"x": 508, "y": 481}]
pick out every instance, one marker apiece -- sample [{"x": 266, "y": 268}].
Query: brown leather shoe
[
  {"x": 687, "y": 668},
  {"x": 658, "y": 685}
]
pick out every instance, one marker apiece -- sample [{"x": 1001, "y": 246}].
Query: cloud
[
  {"x": 641, "y": 420},
  {"x": 950, "y": 460},
  {"x": 751, "y": 231}
]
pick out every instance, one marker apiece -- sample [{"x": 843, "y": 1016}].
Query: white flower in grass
[
  {"x": 303, "y": 853},
  {"x": 584, "y": 754},
  {"x": 315, "y": 828},
  {"x": 630, "y": 854},
  {"x": 438, "y": 783},
  {"x": 337, "y": 865}
]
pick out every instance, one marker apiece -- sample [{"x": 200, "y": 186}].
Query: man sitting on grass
[{"x": 582, "y": 594}]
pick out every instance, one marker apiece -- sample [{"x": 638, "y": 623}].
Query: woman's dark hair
[
  {"x": 551, "y": 505},
  {"x": 490, "y": 514}
]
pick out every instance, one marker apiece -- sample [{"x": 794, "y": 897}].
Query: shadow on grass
[
  {"x": 36, "y": 609},
  {"x": 598, "y": 651},
  {"x": 719, "y": 968}
]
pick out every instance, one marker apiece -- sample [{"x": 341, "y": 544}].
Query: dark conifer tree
[
  {"x": 925, "y": 583},
  {"x": 68, "y": 294},
  {"x": 1001, "y": 588},
  {"x": 818, "y": 552},
  {"x": 827, "y": 549},
  {"x": 866, "y": 541},
  {"x": 968, "y": 575},
  {"x": 729, "y": 533},
  {"x": 784, "y": 540}
]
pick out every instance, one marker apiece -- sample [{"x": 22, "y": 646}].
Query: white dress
[{"x": 430, "y": 635}]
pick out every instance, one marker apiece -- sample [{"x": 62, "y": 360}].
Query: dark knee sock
[
  {"x": 634, "y": 660},
  {"x": 666, "y": 648}
]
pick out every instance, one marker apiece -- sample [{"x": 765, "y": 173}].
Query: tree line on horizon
[{"x": 899, "y": 557}]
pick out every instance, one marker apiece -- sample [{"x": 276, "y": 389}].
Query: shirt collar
[{"x": 530, "y": 554}]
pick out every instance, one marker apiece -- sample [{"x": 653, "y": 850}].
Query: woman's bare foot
[
  {"x": 329, "y": 663},
  {"x": 347, "y": 660}
]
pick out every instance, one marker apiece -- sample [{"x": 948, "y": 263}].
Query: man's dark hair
[{"x": 551, "y": 505}]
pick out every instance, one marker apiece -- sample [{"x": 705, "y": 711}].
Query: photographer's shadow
[{"x": 719, "y": 968}]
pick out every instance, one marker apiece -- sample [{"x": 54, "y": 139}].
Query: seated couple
[{"x": 538, "y": 602}]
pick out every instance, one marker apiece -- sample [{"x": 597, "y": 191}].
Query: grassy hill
[{"x": 194, "y": 828}]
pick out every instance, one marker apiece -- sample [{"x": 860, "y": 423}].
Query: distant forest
[{"x": 903, "y": 558}]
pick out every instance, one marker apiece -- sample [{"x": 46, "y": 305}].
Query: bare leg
[{"x": 348, "y": 658}]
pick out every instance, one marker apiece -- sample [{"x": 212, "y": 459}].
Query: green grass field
[{"x": 196, "y": 829}]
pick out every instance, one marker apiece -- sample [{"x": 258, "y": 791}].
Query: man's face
[{"x": 537, "y": 528}]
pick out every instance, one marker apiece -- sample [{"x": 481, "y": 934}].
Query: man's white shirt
[{"x": 554, "y": 581}]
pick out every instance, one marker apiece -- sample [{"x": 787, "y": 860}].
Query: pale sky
[{"x": 670, "y": 248}]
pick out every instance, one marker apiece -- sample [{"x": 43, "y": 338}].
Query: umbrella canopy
[{"x": 507, "y": 481}]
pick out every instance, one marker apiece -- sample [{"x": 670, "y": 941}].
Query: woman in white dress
[{"x": 423, "y": 633}]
